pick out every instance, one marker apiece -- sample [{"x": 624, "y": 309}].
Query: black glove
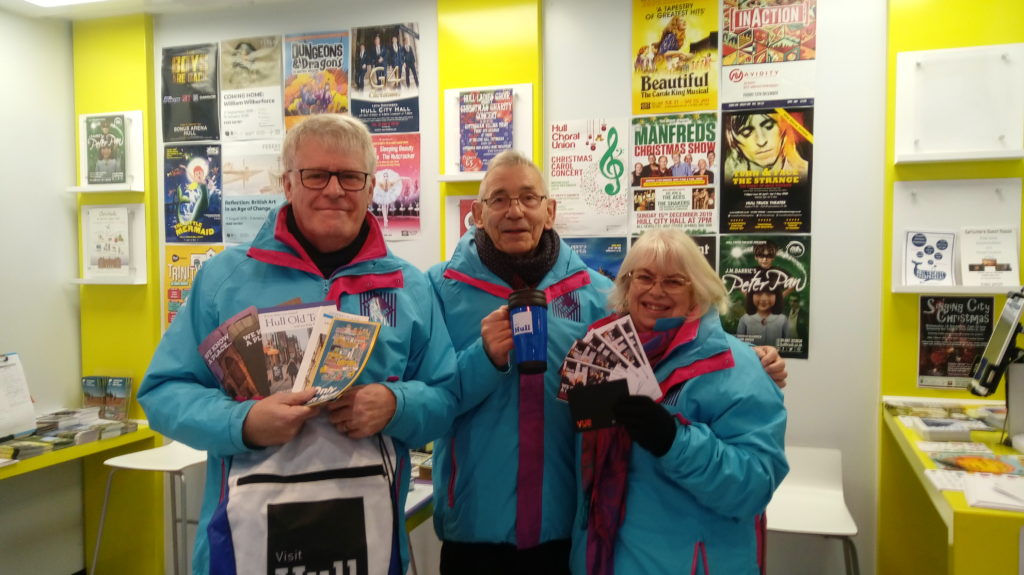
[{"x": 647, "y": 423}]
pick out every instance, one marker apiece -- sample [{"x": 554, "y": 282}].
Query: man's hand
[
  {"x": 773, "y": 364},
  {"x": 363, "y": 410},
  {"x": 277, "y": 419},
  {"x": 496, "y": 333}
]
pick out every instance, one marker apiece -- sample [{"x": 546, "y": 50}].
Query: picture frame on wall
[
  {"x": 480, "y": 123},
  {"x": 110, "y": 151}
]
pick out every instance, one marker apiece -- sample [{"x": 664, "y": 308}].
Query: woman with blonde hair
[{"x": 684, "y": 480}]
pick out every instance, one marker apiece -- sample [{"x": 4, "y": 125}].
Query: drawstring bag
[{"x": 321, "y": 503}]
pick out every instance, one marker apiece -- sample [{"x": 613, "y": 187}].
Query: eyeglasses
[
  {"x": 316, "y": 179},
  {"x": 670, "y": 285},
  {"x": 501, "y": 202}
]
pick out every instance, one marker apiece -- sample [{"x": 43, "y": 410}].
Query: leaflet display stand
[{"x": 960, "y": 104}]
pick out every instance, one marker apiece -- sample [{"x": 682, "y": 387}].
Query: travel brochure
[{"x": 293, "y": 347}]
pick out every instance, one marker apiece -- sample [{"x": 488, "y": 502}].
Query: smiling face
[
  {"x": 764, "y": 302},
  {"x": 648, "y": 305},
  {"x": 517, "y": 230},
  {"x": 329, "y": 218}
]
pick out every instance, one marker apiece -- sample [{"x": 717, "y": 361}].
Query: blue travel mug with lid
[{"x": 528, "y": 313}]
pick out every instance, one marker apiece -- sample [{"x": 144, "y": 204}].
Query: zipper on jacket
[{"x": 347, "y": 473}]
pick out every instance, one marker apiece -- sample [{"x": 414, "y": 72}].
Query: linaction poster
[
  {"x": 192, "y": 190},
  {"x": 587, "y": 176},
  {"x": 954, "y": 331},
  {"x": 675, "y": 56},
  {"x": 250, "y": 84},
  {"x": 767, "y": 279},
  {"x": 672, "y": 185},
  {"x": 768, "y": 53},
  {"x": 766, "y": 184},
  {"x": 316, "y": 75},
  {"x": 189, "y": 105},
  {"x": 385, "y": 77}
]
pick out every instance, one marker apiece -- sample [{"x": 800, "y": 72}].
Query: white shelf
[
  {"x": 950, "y": 205},
  {"x": 106, "y": 188},
  {"x": 954, "y": 290},
  {"x": 112, "y": 280},
  {"x": 462, "y": 177},
  {"x": 963, "y": 156}
]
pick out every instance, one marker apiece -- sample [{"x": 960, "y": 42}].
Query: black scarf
[
  {"x": 328, "y": 262},
  {"x": 519, "y": 271}
]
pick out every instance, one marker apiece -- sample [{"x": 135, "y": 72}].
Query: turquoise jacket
[
  {"x": 699, "y": 508},
  {"x": 476, "y": 462},
  {"x": 413, "y": 354}
]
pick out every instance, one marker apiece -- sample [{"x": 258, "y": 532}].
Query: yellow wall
[
  {"x": 911, "y": 535},
  {"x": 485, "y": 44},
  {"x": 113, "y": 67},
  {"x": 929, "y": 25}
]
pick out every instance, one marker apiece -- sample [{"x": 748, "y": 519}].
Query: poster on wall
[
  {"x": 458, "y": 218},
  {"x": 671, "y": 183},
  {"x": 181, "y": 262},
  {"x": 316, "y": 75},
  {"x": 766, "y": 183},
  {"x": 768, "y": 53},
  {"x": 385, "y": 77},
  {"x": 396, "y": 193},
  {"x": 953, "y": 333},
  {"x": 587, "y": 176},
  {"x": 675, "y": 56},
  {"x": 250, "y": 82},
  {"x": 105, "y": 140},
  {"x": 603, "y": 255},
  {"x": 251, "y": 176},
  {"x": 192, "y": 194},
  {"x": 485, "y": 127},
  {"x": 767, "y": 279},
  {"x": 189, "y": 104}
]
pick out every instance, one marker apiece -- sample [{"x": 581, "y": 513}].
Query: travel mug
[{"x": 528, "y": 313}]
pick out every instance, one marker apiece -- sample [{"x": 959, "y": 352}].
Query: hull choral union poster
[
  {"x": 189, "y": 104},
  {"x": 675, "y": 56},
  {"x": 396, "y": 194},
  {"x": 767, "y": 170},
  {"x": 316, "y": 69},
  {"x": 768, "y": 52},
  {"x": 767, "y": 279},
  {"x": 671, "y": 182},
  {"x": 587, "y": 176},
  {"x": 485, "y": 127},
  {"x": 385, "y": 77},
  {"x": 250, "y": 82},
  {"x": 192, "y": 193}
]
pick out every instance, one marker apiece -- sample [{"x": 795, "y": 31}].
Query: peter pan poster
[
  {"x": 767, "y": 279},
  {"x": 675, "y": 56}
]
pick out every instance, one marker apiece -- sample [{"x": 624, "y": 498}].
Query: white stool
[
  {"x": 173, "y": 458},
  {"x": 810, "y": 500}
]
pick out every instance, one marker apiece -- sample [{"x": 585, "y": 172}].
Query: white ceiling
[{"x": 112, "y": 8}]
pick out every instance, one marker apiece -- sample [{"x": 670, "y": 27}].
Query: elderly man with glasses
[
  {"x": 504, "y": 481},
  {"x": 320, "y": 245}
]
